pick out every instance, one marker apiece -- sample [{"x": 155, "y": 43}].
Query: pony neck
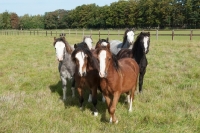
[{"x": 137, "y": 51}]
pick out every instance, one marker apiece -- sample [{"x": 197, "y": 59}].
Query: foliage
[{"x": 121, "y": 14}]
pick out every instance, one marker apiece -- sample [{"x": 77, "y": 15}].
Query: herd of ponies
[{"x": 111, "y": 67}]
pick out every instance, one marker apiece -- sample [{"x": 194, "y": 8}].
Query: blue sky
[{"x": 35, "y": 7}]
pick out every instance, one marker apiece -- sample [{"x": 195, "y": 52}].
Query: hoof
[
  {"x": 95, "y": 113},
  {"x": 130, "y": 110},
  {"x": 90, "y": 98},
  {"x": 115, "y": 122}
]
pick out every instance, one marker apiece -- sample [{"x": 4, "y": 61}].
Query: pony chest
[{"x": 106, "y": 87}]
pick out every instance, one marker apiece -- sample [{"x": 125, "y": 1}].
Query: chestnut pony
[
  {"x": 116, "y": 77},
  {"x": 86, "y": 76}
]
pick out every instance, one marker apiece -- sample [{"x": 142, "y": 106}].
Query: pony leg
[
  {"x": 113, "y": 107},
  {"x": 90, "y": 97},
  {"x": 94, "y": 101},
  {"x": 81, "y": 99},
  {"x": 141, "y": 77},
  {"x": 103, "y": 98},
  {"x": 64, "y": 83},
  {"x": 73, "y": 87},
  {"x": 131, "y": 102}
]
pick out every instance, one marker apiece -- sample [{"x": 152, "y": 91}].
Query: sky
[{"x": 35, "y": 7}]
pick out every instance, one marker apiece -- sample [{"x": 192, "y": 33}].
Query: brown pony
[
  {"x": 86, "y": 76},
  {"x": 116, "y": 77}
]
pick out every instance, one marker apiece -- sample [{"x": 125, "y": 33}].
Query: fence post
[
  {"x": 83, "y": 33},
  {"x": 156, "y": 34},
  {"x": 191, "y": 34},
  {"x": 108, "y": 34},
  {"x": 118, "y": 33},
  {"x": 69, "y": 32},
  {"x": 99, "y": 34},
  {"x": 46, "y": 32},
  {"x": 30, "y": 32},
  {"x": 172, "y": 35},
  {"x": 51, "y": 33},
  {"x": 76, "y": 33},
  {"x": 90, "y": 32}
]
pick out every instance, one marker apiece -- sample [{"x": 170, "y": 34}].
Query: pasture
[{"x": 30, "y": 90}]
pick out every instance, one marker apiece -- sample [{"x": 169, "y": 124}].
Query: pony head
[{"x": 61, "y": 47}]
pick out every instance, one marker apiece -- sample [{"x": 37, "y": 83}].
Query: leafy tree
[
  {"x": 6, "y": 20},
  {"x": 14, "y": 20}
]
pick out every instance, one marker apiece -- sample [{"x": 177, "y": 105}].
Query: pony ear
[
  {"x": 107, "y": 39},
  {"x": 75, "y": 46},
  {"x": 85, "y": 45},
  {"x": 108, "y": 46},
  {"x": 54, "y": 38},
  {"x": 98, "y": 45}
]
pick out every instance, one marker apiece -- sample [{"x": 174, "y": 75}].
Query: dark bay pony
[
  {"x": 86, "y": 74},
  {"x": 138, "y": 52},
  {"x": 66, "y": 66},
  {"x": 128, "y": 40},
  {"x": 116, "y": 77}
]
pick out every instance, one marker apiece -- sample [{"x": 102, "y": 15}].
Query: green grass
[{"x": 31, "y": 89}]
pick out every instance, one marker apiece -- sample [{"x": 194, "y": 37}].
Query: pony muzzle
[
  {"x": 103, "y": 75},
  {"x": 82, "y": 74}
]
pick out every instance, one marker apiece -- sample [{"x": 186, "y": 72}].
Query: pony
[
  {"x": 128, "y": 39},
  {"x": 138, "y": 52},
  {"x": 88, "y": 40},
  {"x": 116, "y": 77},
  {"x": 86, "y": 76},
  {"x": 66, "y": 66}
]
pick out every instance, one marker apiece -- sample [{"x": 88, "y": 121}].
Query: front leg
[
  {"x": 113, "y": 107},
  {"x": 64, "y": 88},
  {"x": 94, "y": 100},
  {"x": 81, "y": 99}
]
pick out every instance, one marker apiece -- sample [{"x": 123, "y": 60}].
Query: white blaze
[
  {"x": 60, "y": 47},
  {"x": 102, "y": 60},
  {"x": 80, "y": 57},
  {"x": 146, "y": 38},
  {"x": 130, "y": 36}
]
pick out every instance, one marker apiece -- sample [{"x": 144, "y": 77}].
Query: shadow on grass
[{"x": 74, "y": 101}]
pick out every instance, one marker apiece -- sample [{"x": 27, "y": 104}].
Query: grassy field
[{"x": 30, "y": 91}]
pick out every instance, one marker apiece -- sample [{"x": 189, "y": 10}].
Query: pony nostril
[
  {"x": 105, "y": 74},
  {"x": 79, "y": 74},
  {"x": 84, "y": 73}
]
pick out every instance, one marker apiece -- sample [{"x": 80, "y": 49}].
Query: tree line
[{"x": 122, "y": 14}]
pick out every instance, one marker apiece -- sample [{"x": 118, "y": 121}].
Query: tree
[
  {"x": 14, "y": 20},
  {"x": 6, "y": 20}
]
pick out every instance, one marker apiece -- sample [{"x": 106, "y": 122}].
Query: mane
[
  {"x": 125, "y": 36},
  {"x": 137, "y": 49},
  {"x": 62, "y": 39}
]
